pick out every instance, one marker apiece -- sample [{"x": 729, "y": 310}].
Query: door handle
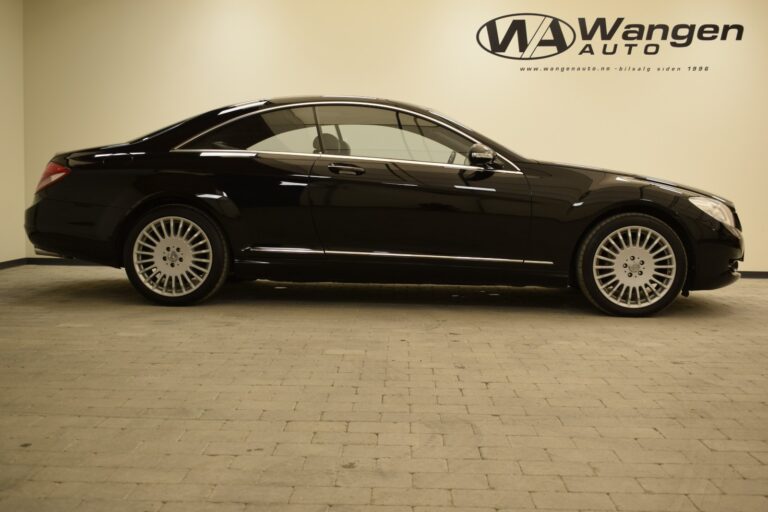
[{"x": 348, "y": 170}]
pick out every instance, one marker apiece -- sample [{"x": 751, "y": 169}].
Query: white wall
[
  {"x": 101, "y": 72},
  {"x": 12, "y": 196}
]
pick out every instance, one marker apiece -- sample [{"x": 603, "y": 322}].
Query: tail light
[{"x": 53, "y": 172}]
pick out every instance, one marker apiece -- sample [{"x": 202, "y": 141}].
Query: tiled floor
[{"x": 376, "y": 398}]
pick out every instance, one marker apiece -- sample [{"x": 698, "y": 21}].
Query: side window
[
  {"x": 287, "y": 130},
  {"x": 383, "y": 133}
]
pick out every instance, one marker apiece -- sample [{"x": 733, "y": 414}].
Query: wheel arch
[
  {"x": 158, "y": 200},
  {"x": 653, "y": 209}
]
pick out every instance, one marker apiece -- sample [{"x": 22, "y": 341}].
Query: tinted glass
[
  {"x": 383, "y": 133},
  {"x": 290, "y": 130}
]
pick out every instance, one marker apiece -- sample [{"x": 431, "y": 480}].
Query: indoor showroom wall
[
  {"x": 12, "y": 194},
  {"x": 101, "y": 72}
]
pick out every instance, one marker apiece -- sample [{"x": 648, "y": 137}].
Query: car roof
[
  {"x": 173, "y": 135},
  {"x": 183, "y": 130},
  {"x": 247, "y": 106}
]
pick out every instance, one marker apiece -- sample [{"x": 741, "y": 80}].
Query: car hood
[{"x": 671, "y": 185}]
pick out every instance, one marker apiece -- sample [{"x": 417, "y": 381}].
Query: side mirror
[{"x": 481, "y": 155}]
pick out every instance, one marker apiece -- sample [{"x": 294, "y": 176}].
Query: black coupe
[{"x": 363, "y": 189}]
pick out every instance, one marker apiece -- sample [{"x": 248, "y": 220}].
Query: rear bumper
[
  {"x": 70, "y": 230},
  {"x": 51, "y": 254}
]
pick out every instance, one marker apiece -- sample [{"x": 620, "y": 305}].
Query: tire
[
  {"x": 176, "y": 255},
  {"x": 631, "y": 264}
]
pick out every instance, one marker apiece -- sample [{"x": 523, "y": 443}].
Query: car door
[
  {"x": 393, "y": 182},
  {"x": 263, "y": 162}
]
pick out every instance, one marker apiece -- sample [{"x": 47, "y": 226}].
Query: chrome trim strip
[
  {"x": 422, "y": 256},
  {"x": 242, "y": 106},
  {"x": 481, "y": 189},
  {"x": 292, "y": 250},
  {"x": 302, "y": 250},
  {"x": 284, "y": 153},
  {"x": 399, "y": 184},
  {"x": 325, "y": 156},
  {"x": 539, "y": 262},
  {"x": 216, "y": 152},
  {"x": 252, "y": 262},
  {"x": 222, "y": 153},
  {"x": 342, "y": 102},
  {"x": 396, "y": 161}
]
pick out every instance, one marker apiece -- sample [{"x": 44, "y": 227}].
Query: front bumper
[{"x": 716, "y": 260}]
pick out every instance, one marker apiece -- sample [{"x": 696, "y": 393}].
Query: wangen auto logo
[
  {"x": 526, "y": 36},
  {"x": 529, "y": 36}
]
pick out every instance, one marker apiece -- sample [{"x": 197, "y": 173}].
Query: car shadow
[
  {"x": 551, "y": 300},
  {"x": 405, "y": 294},
  {"x": 118, "y": 291}
]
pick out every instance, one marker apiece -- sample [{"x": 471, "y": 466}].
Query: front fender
[{"x": 568, "y": 201}]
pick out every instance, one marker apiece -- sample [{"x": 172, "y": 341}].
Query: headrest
[{"x": 329, "y": 143}]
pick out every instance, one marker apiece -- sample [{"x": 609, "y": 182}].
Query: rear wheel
[
  {"x": 632, "y": 264},
  {"x": 176, "y": 255}
]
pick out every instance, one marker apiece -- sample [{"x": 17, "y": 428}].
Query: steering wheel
[{"x": 452, "y": 157}]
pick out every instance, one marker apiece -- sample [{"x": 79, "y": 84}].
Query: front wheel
[
  {"x": 632, "y": 264},
  {"x": 176, "y": 255}
]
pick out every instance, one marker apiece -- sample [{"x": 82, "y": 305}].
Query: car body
[{"x": 329, "y": 193}]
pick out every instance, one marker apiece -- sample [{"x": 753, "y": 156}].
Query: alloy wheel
[
  {"x": 634, "y": 266},
  {"x": 172, "y": 256}
]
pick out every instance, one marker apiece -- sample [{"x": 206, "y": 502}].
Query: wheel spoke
[
  {"x": 185, "y": 276},
  {"x": 649, "y": 240},
  {"x": 613, "y": 243},
  {"x": 156, "y": 234},
  {"x": 147, "y": 271},
  {"x": 618, "y": 241},
  {"x": 150, "y": 237}
]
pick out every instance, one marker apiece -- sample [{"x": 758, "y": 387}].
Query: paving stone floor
[{"x": 283, "y": 397}]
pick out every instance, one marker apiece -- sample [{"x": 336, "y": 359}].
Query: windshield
[
  {"x": 450, "y": 120},
  {"x": 464, "y": 127}
]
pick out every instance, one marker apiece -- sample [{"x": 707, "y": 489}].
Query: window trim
[
  {"x": 353, "y": 103},
  {"x": 244, "y": 153}
]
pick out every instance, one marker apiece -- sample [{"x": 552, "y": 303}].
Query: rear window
[{"x": 290, "y": 130}]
